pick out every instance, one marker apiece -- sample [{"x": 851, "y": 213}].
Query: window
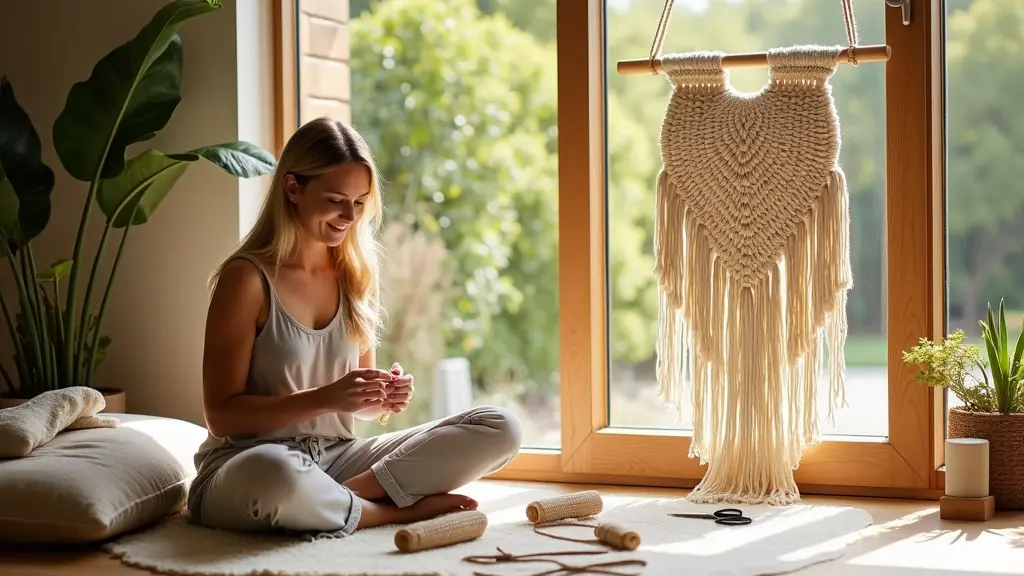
[
  {"x": 466, "y": 141},
  {"x": 520, "y": 267}
]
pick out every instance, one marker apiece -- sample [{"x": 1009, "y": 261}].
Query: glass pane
[
  {"x": 636, "y": 107},
  {"x": 466, "y": 141},
  {"x": 984, "y": 166}
]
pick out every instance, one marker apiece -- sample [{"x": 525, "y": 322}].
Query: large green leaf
[
  {"x": 1004, "y": 342},
  {"x": 239, "y": 158},
  {"x": 8, "y": 206},
  {"x": 21, "y": 158},
  {"x": 144, "y": 183},
  {"x": 149, "y": 177},
  {"x": 130, "y": 95}
]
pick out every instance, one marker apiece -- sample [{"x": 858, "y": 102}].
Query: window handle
[{"x": 904, "y": 6}]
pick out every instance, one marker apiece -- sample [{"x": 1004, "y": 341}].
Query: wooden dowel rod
[{"x": 874, "y": 53}]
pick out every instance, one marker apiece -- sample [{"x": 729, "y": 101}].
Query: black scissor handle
[
  {"x": 731, "y": 520},
  {"x": 731, "y": 517},
  {"x": 725, "y": 512}
]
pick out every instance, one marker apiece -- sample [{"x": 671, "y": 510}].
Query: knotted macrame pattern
[{"x": 752, "y": 260}]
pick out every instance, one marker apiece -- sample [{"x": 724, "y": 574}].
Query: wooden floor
[{"x": 907, "y": 538}]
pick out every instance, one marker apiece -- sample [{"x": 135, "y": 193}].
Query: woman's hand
[
  {"x": 359, "y": 389},
  {"x": 399, "y": 392}
]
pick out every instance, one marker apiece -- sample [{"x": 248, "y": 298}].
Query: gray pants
[{"x": 296, "y": 485}]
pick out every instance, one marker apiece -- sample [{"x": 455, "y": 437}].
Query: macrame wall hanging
[{"x": 752, "y": 252}]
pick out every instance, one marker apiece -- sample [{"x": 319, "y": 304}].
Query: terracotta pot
[
  {"x": 1005, "y": 435},
  {"x": 115, "y": 398}
]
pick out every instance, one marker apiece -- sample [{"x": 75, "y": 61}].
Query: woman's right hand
[{"x": 359, "y": 389}]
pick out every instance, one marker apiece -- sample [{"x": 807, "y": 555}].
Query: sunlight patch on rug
[{"x": 780, "y": 540}]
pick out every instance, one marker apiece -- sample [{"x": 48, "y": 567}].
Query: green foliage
[
  {"x": 55, "y": 320},
  {"x": 984, "y": 170},
  {"x": 8, "y": 205},
  {"x": 21, "y": 161},
  {"x": 474, "y": 162},
  {"x": 1005, "y": 365},
  {"x": 536, "y": 17},
  {"x": 129, "y": 97},
  {"x": 148, "y": 177},
  {"x": 949, "y": 365}
]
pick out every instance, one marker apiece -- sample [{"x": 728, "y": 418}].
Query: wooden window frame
[
  {"x": 284, "y": 16},
  {"x": 907, "y": 464}
]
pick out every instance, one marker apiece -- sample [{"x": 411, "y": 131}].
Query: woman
[{"x": 289, "y": 364}]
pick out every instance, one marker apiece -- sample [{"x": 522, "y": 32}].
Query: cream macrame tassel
[{"x": 752, "y": 260}]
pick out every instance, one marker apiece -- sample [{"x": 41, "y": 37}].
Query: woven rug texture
[{"x": 780, "y": 540}]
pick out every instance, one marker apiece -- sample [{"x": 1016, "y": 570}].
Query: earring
[{"x": 292, "y": 199}]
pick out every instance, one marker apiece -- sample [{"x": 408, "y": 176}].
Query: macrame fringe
[{"x": 752, "y": 355}]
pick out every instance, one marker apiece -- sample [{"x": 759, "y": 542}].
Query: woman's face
[{"x": 330, "y": 203}]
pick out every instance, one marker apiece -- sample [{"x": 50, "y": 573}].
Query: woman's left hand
[{"x": 399, "y": 392}]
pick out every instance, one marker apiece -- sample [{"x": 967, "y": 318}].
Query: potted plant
[
  {"x": 991, "y": 391},
  {"x": 128, "y": 98}
]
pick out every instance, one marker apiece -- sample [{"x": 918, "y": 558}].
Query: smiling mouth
[{"x": 337, "y": 228}]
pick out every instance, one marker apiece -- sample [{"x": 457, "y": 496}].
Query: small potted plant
[
  {"x": 55, "y": 325},
  {"x": 991, "y": 391}
]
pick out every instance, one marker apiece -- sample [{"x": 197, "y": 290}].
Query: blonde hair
[{"x": 320, "y": 146}]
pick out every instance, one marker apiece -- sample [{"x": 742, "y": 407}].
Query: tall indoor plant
[
  {"x": 128, "y": 98},
  {"x": 993, "y": 400}
]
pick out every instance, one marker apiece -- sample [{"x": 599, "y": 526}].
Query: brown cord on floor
[
  {"x": 563, "y": 568},
  {"x": 537, "y": 527},
  {"x": 607, "y": 534}
]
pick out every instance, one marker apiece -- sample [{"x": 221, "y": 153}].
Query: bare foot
[
  {"x": 379, "y": 513},
  {"x": 438, "y": 504}
]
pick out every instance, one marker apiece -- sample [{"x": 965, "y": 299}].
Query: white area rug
[{"x": 779, "y": 540}]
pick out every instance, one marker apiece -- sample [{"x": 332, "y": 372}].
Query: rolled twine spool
[
  {"x": 575, "y": 505},
  {"x": 617, "y": 536},
  {"x": 611, "y": 534},
  {"x": 548, "y": 513},
  {"x": 441, "y": 531}
]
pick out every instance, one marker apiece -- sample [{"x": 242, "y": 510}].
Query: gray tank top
[{"x": 287, "y": 357}]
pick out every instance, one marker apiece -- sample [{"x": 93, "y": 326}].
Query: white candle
[{"x": 967, "y": 467}]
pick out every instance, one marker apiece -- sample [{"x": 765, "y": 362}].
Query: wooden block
[{"x": 967, "y": 509}]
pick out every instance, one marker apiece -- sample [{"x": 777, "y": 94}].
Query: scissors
[{"x": 725, "y": 516}]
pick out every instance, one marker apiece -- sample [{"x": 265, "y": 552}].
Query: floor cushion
[{"x": 90, "y": 485}]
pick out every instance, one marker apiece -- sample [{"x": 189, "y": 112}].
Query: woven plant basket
[{"x": 1005, "y": 434}]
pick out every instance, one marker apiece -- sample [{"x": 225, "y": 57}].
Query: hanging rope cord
[
  {"x": 849, "y": 22},
  {"x": 852, "y": 36}
]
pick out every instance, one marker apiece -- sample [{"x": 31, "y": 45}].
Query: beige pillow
[{"x": 90, "y": 485}]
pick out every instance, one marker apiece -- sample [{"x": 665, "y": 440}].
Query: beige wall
[{"x": 158, "y": 312}]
